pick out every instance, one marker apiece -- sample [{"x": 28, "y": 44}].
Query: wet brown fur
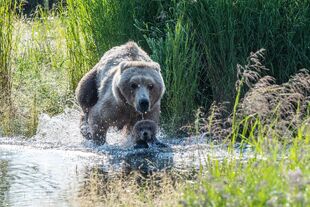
[{"x": 107, "y": 99}]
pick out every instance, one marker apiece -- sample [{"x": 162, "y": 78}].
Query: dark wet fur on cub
[{"x": 144, "y": 134}]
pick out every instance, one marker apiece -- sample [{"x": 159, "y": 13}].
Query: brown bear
[
  {"x": 144, "y": 133},
  {"x": 123, "y": 88}
]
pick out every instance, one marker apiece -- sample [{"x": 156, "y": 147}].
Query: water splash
[
  {"x": 61, "y": 132},
  {"x": 48, "y": 167}
]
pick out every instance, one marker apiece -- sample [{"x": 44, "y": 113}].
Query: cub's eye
[
  {"x": 150, "y": 86},
  {"x": 134, "y": 86}
]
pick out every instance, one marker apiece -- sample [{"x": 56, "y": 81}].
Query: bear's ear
[
  {"x": 139, "y": 64},
  {"x": 124, "y": 65},
  {"x": 156, "y": 67}
]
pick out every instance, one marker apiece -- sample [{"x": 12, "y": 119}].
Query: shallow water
[{"x": 53, "y": 166}]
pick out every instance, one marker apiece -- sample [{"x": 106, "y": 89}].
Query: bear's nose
[
  {"x": 145, "y": 135},
  {"x": 144, "y": 105}
]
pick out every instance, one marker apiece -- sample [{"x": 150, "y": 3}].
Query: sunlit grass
[
  {"x": 278, "y": 174},
  {"x": 6, "y": 47},
  {"x": 39, "y": 77},
  {"x": 96, "y": 26}
]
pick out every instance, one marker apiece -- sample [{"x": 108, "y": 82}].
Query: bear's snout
[{"x": 143, "y": 105}]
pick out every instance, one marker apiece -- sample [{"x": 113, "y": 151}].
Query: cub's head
[
  {"x": 139, "y": 84},
  {"x": 144, "y": 131}
]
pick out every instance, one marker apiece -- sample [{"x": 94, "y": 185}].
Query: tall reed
[
  {"x": 38, "y": 81},
  {"x": 227, "y": 31},
  {"x": 94, "y": 26},
  {"x": 179, "y": 57},
  {"x": 7, "y": 12},
  {"x": 6, "y": 44}
]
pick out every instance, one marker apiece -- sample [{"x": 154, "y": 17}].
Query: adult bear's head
[{"x": 139, "y": 84}]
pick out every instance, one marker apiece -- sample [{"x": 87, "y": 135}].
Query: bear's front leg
[
  {"x": 84, "y": 126},
  {"x": 99, "y": 134},
  {"x": 98, "y": 127}
]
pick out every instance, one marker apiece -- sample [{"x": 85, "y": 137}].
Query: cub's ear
[{"x": 139, "y": 64}]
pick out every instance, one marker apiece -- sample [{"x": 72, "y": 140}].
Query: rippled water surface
[{"x": 53, "y": 166}]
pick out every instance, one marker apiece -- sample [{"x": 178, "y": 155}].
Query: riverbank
[{"x": 65, "y": 169}]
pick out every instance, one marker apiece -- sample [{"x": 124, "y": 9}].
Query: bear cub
[{"x": 144, "y": 134}]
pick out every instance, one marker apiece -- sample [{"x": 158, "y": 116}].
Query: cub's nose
[{"x": 143, "y": 105}]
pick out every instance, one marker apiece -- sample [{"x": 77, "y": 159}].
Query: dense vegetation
[
  {"x": 196, "y": 42},
  {"x": 199, "y": 45}
]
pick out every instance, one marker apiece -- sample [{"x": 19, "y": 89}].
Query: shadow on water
[{"x": 57, "y": 164}]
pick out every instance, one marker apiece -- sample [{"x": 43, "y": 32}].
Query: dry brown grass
[
  {"x": 280, "y": 108},
  {"x": 159, "y": 189}
]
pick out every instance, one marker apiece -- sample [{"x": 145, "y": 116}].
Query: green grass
[
  {"x": 6, "y": 30},
  {"x": 39, "y": 72},
  {"x": 179, "y": 58},
  {"x": 6, "y": 47},
  {"x": 278, "y": 174},
  {"x": 96, "y": 26},
  {"x": 228, "y": 30},
  {"x": 197, "y": 42}
]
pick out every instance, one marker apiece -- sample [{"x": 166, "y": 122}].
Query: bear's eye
[
  {"x": 150, "y": 86},
  {"x": 134, "y": 86}
]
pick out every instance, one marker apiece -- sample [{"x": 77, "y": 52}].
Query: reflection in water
[{"x": 57, "y": 167}]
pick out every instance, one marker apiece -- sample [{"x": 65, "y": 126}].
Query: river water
[{"x": 52, "y": 166}]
